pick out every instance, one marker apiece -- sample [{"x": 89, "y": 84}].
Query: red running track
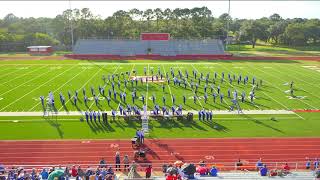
[{"x": 223, "y": 150}]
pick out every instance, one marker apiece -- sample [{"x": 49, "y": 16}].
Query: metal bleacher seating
[{"x": 137, "y": 47}]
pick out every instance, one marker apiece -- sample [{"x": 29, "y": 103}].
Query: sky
[{"x": 239, "y": 9}]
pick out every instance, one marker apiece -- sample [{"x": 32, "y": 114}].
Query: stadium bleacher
[{"x": 137, "y": 47}]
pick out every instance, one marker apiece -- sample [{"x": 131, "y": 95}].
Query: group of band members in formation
[{"x": 177, "y": 79}]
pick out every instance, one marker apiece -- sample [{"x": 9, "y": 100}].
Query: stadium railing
[{"x": 294, "y": 166}]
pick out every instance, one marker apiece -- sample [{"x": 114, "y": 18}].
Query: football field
[{"x": 23, "y": 82}]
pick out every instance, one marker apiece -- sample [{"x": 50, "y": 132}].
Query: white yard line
[
  {"x": 104, "y": 86},
  {"x": 25, "y": 82},
  {"x": 235, "y": 88},
  {"x": 193, "y": 67},
  {"x": 295, "y": 77},
  {"x": 75, "y": 119},
  {"x": 36, "y": 88},
  {"x": 23, "y": 75},
  {"x": 280, "y": 103},
  {"x": 191, "y": 88},
  {"x": 167, "y": 83},
  {"x": 147, "y": 99},
  {"x": 83, "y": 86},
  {"x": 4, "y": 69},
  {"x": 11, "y": 72},
  {"x": 279, "y": 88},
  {"x": 215, "y": 112},
  {"x": 124, "y": 89},
  {"x": 59, "y": 88}
]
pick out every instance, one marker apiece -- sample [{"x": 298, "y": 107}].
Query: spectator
[
  {"x": 103, "y": 172},
  {"x": 317, "y": 174},
  {"x": 98, "y": 171},
  {"x": 102, "y": 163},
  {"x": 2, "y": 170},
  {"x": 34, "y": 174},
  {"x": 118, "y": 161},
  {"x": 66, "y": 173},
  {"x": 81, "y": 173},
  {"x": 202, "y": 164},
  {"x": 273, "y": 172},
  {"x": 110, "y": 174},
  {"x": 51, "y": 170},
  {"x": 214, "y": 171},
  {"x": 88, "y": 173},
  {"x": 239, "y": 163},
  {"x": 316, "y": 164},
  {"x": 142, "y": 136},
  {"x": 263, "y": 170},
  {"x": 11, "y": 174},
  {"x": 74, "y": 172},
  {"x": 308, "y": 164},
  {"x": 148, "y": 171},
  {"x": 286, "y": 168},
  {"x": 259, "y": 164},
  {"x": 44, "y": 174},
  {"x": 126, "y": 162}
]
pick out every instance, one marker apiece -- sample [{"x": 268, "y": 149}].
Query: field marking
[
  {"x": 23, "y": 75},
  {"x": 147, "y": 88},
  {"x": 125, "y": 88},
  {"x": 116, "y": 69},
  {"x": 36, "y": 88},
  {"x": 234, "y": 87},
  {"x": 194, "y": 92},
  {"x": 304, "y": 82},
  {"x": 215, "y": 112},
  {"x": 11, "y": 72},
  {"x": 78, "y": 119},
  {"x": 280, "y": 89},
  {"x": 25, "y": 82},
  {"x": 100, "y": 68},
  {"x": 279, "y": 102},
  {"x": 4, "y": 69},
  {"x": 168, "y": 84},
  {"x": 59, "y": 88}
]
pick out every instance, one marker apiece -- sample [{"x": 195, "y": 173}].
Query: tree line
[{"x": 197, "y": 23}]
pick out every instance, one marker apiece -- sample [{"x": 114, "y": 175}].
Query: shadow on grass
[
  {"x": 262, "y": 123},
  {"x": 54, "y": 123}
]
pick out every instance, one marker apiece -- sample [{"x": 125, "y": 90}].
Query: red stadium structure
[
  {"x": 40, "y": 50},
  {"x": 155, "y": 36}
]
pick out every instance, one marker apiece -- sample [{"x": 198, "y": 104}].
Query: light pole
[
  {"x": 228, "y": 25},
  {"x": 71, "y": 26}
]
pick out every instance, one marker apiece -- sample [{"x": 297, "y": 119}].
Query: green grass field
[
  {"x": 270, "y": 50},
  {"x": 23, "y": 82}
]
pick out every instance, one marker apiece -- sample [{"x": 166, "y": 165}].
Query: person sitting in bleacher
[
  {"x": 263, "y": 171},
  {"x": 317, "y": 173},
  {"x": 259, "y": 164},
  {"x": 286, "y": 169},
  {"x": 214, "y": 171}
]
